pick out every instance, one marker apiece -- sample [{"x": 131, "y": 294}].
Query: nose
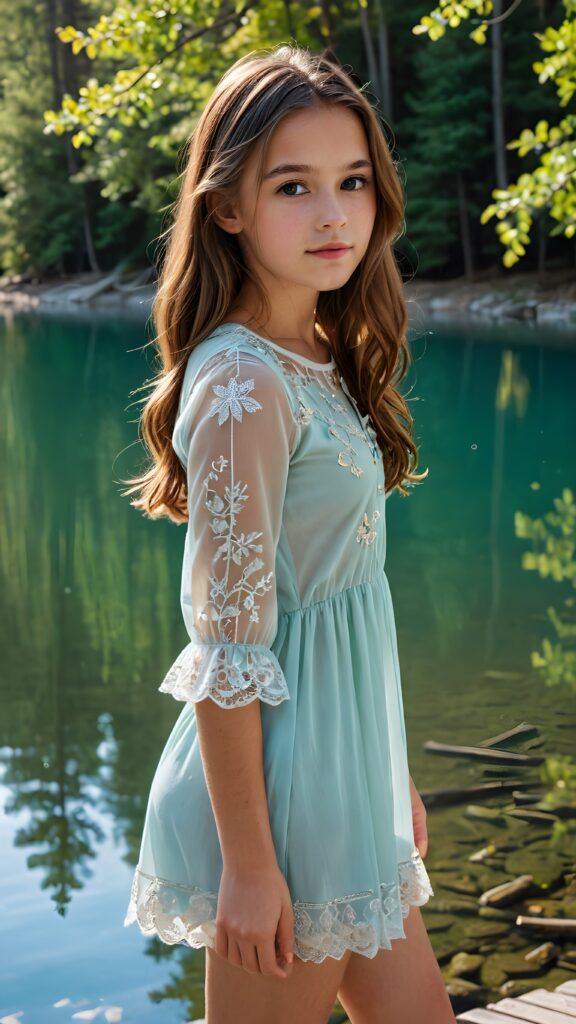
[{"x": 331, "y": 212}]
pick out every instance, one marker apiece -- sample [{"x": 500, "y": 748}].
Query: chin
[{"x": 337, "y": 282}]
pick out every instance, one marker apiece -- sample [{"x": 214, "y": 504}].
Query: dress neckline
[{"x": 280, "y": 348}]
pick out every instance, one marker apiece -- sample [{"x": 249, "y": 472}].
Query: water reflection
[
  {"x": 512, "y": 392},
  {"x": 91, "y": 620}
]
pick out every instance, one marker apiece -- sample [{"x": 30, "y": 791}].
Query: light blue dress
[{"x": 286, "y": 601}]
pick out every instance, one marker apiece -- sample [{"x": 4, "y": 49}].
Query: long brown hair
[{"x": 364, "y": 321}]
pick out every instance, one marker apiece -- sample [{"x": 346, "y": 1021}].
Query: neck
[{"x": 309, "y": 338}]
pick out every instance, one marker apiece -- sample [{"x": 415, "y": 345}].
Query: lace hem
[
  {"x": 362, "y": 922},
  {"x": 231, "y": 674}
]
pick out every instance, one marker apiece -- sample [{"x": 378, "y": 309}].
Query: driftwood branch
[{"x": 482, "y": 754}]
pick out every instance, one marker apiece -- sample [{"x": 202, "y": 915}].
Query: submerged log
[
  {"x": 458, "y": 794},
  {"x": 555, "y": 925},
  {"x": 544, "y": 954},
  {"x": 508, "y": 892},
  {"x": 482, "y": 753},
  {"x": 534, "y": 817},
  {"x": 521, "y": 732},
  {"x": 493, "y": 814},
  {"x": 497, "y": 846},
  {"x": 560, "y": 810},
  {"x": 521, "y": 798}
]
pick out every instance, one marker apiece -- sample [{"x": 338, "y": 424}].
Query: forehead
[
  {"x": 320, "y": 135},
  {"x": 325, "y": 136}
]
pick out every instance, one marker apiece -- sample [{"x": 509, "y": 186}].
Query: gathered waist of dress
[{"x": 377, "y": 581}]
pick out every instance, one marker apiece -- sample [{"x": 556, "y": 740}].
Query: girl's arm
[
  {"x": 238, "y": 428},
  {"x": 231, "y": 748},
  {"x": 254, "y": 916}
]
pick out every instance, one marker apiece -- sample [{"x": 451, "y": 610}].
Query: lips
[
  {"x": 331, "y": 246},
  {"x": 331, "y": 252}
]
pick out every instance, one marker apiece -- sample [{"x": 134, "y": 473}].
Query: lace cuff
[{"x": 231, "y": 674}]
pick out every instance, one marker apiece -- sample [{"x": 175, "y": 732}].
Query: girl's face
[{"x": 327, "y": 194}]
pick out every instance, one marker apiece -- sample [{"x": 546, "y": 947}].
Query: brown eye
[
  {"x": 357, "y": 177},
  {"x": 288, "y": 184}
]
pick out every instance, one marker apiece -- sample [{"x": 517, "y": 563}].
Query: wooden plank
[
  {"x": 553, "y": 1000},
  {"x": 569, "y": 987},
  {"x": 560, "y": 1005},
  {"x": 480, "y": 1015},
  {"x": 526, "y": 1011}
]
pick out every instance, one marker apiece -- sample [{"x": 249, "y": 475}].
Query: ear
[{"x": 223, "y": 211}]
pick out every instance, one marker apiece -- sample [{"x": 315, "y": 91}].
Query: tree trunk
[
  {"x": 542, "y": 245},
  {"x": 69, "y": 15},
  {"x": 464, "y": 226},
  {"x": 53, "y": 44},
  {"x": 384, "y": 62},
  {"x": 289, "y": 21},
  {"x": 327, "y": 25},
  {"x": 369, "y": 50},
  {"x": 498, "y": 100}
]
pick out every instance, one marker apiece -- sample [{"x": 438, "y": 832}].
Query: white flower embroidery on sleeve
[
  {"x": 231, "y": 398},
  {"x": 230, "y": 597}
]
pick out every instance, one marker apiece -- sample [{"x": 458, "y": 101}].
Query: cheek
[
  {"x": 369, "y": 212},
  {"x": 287, "y": 222}
]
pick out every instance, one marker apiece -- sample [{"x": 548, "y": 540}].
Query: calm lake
[{"x": 91, "y": 622}]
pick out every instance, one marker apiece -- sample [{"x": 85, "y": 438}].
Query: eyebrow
[{"x": 307, "y": 169}]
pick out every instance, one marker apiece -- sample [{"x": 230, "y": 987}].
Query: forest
[{"x": 475, "y": 98}]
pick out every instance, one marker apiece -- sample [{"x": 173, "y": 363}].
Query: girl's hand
[
  {"x": 419, "y": 820},
  {"x": 255, "y": 920}
]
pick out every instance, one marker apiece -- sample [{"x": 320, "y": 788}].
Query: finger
[
  {"x": 249, "y": 958},
  {"x": 267, "y": 960},
  {"x": 234, "y": 956},
  {"x": 284, "y": 959},
  {"x": 422, "y": 841},
  {"x": 285, "y": 934},
  {"x": 221, "y": 944}
]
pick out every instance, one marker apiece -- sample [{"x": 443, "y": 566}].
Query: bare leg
[
  {"x": 307, "y": 995},
  {"x": 399, "y": 984}
]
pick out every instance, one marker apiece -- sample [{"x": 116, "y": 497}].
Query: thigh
[
  {"x": 399, "y": 984},
  {"x": 307, "y": 995}
]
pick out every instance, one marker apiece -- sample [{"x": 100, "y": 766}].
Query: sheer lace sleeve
[{"x": 237, "y": 429}]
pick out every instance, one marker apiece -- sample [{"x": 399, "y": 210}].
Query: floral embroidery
[
  {"x": 354, "y": 469},
  {"x": 231, "y": 398},
  {"x": 366, "y": 533},
  {"x": 231, "y": 674},
  {"x": 304, "y": 414},
  {"x": 225, "y": 600},
  {"x": 343, "y": 459},
  {"x": 338, "y": 419},
  {"x": 301, "y": 377},
  {"x": 364, "y": 921}
]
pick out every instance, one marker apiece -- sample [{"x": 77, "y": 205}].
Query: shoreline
[{"x": 528, "y": 298}]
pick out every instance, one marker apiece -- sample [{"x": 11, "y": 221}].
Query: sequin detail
[{"x": 363, "y": 922}]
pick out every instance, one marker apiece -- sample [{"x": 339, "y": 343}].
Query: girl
[{"x": 282, "y": 822}]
